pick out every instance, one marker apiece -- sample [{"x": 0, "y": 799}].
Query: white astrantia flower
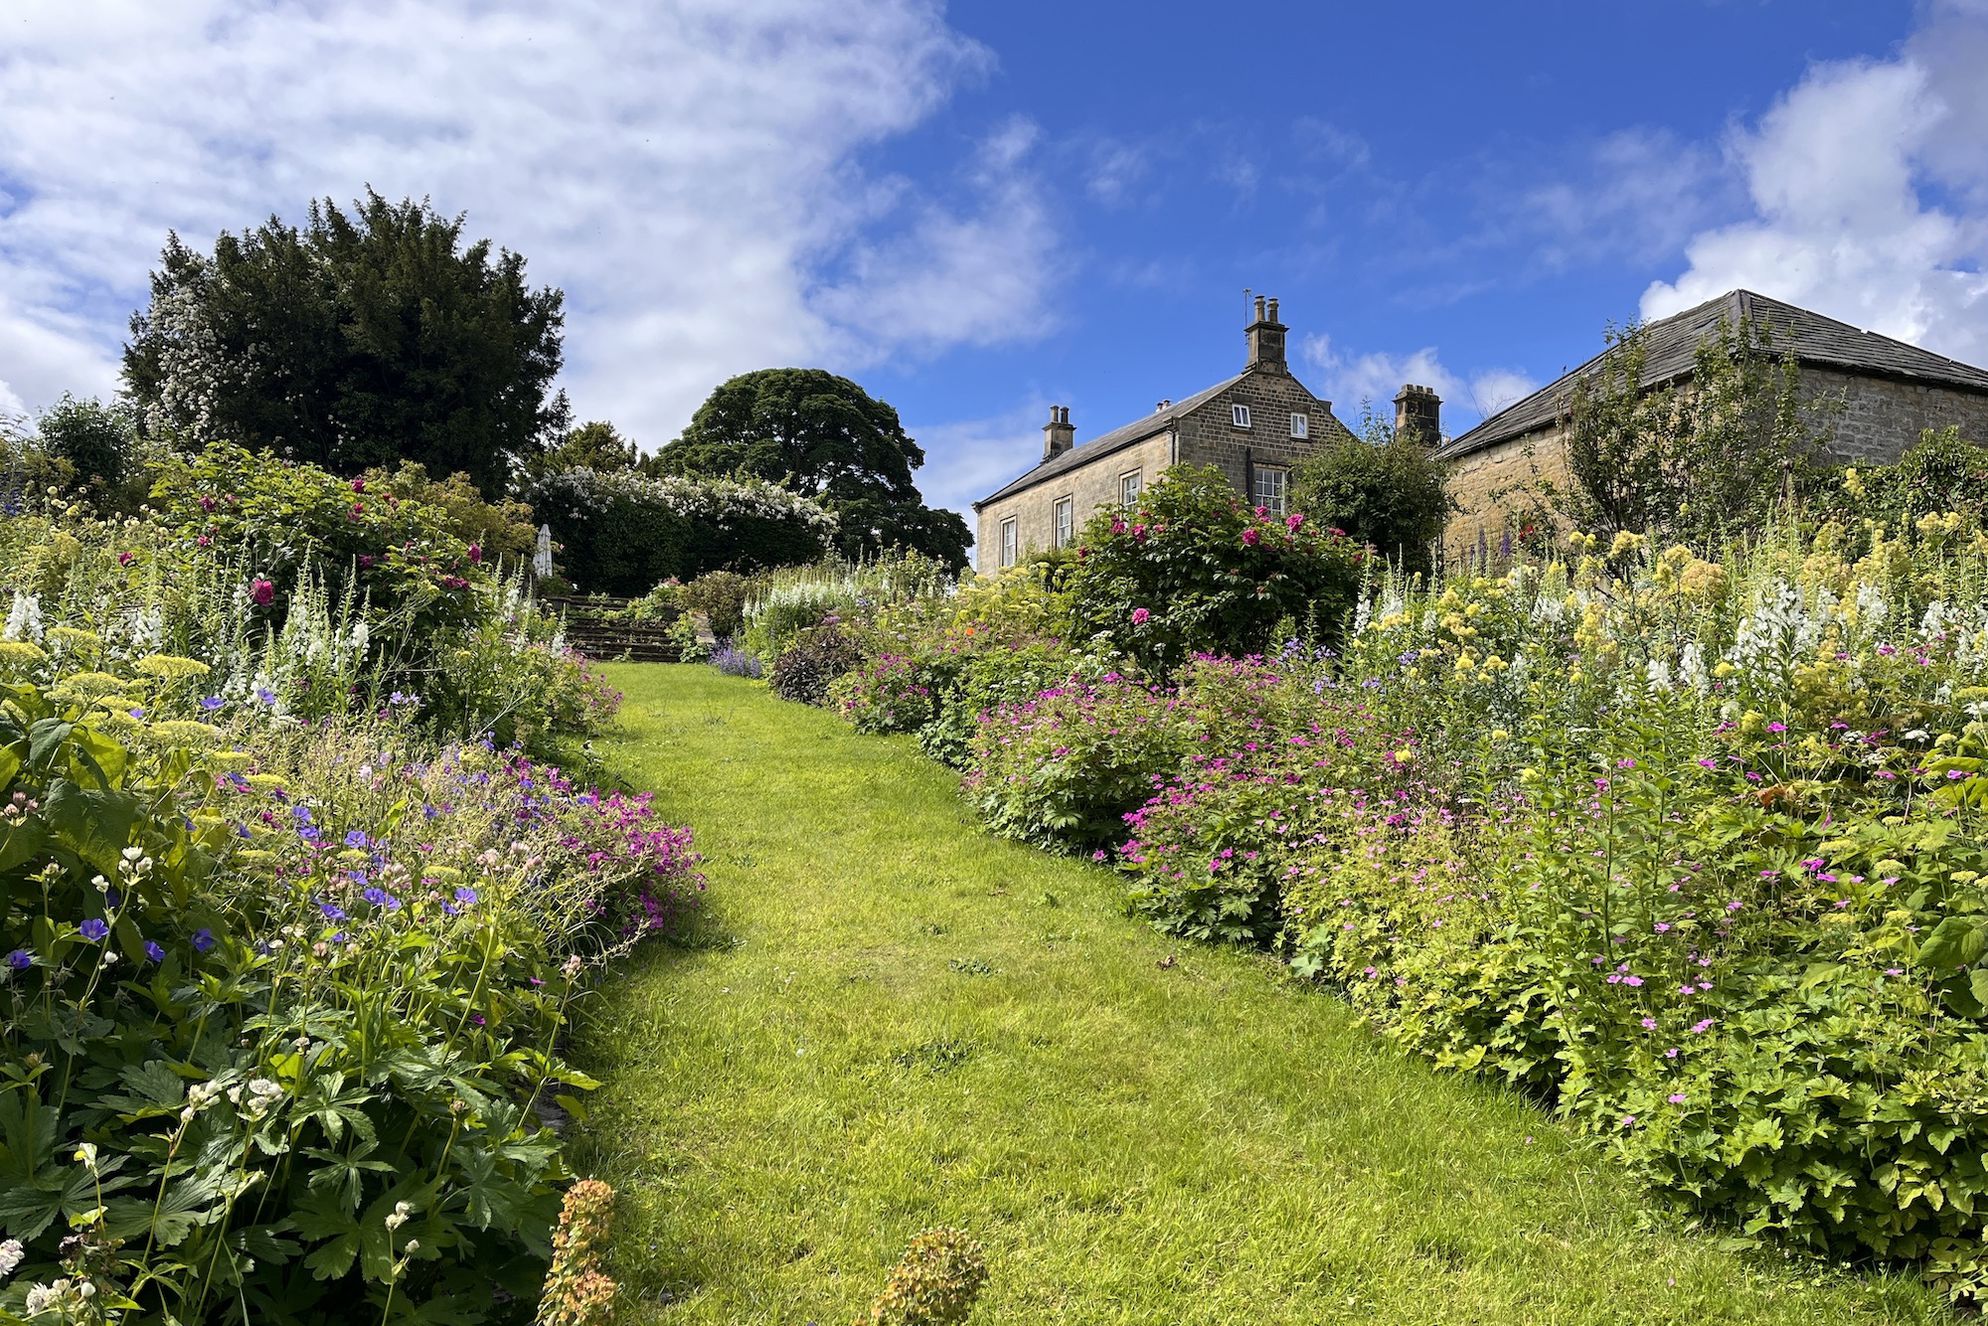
[{"x": 11, "y": 1256}]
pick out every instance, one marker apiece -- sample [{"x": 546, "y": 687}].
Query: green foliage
[
  {"x": 622, "y": 532},
  {"x": 285, "y": 518},
  {"x": 788, "y": 601},
  {"x": 282, "y": 1004},
  {"x": 825, "y": 437},
  {"x": 811, "y": 663},
  {"x": 499, "y": 530},
  {"x": 1699, "y": 461},
  {"x": 1188, "y": 569},
  {"x": 1384, "y": 491},
  {"x": 594, "y": 445},
  {"x": 97, "y": 441},
  {"x": 353, "y": 342},
  {"x": 1940, "y": 473},
  {"x": 722, "y": 597}
]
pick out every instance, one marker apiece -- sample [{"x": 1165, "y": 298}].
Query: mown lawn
[{"x": 890, "y": 1020}]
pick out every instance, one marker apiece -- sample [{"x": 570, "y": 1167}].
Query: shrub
[
  {"x": 1188, "y": 569},
  {"x": 623, "y": 532},
  {"x": 935, "y": 1284},
  {"x": 815, "y": 659},
  {"x": 292, "y": 1042},
  {"x": 501, "y": 529},
  {"x": 789, "y": 601},
  {"x": 1063, "y": 768},
  {"x": 721, "y": 596},
  {"x": 1388, "y": 492}
]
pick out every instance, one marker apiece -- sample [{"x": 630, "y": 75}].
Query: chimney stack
[
  {"x": 1418, "y": 413},
  {"x": 1058, "y": 435},
  {"x": 1266, "y": 338}
]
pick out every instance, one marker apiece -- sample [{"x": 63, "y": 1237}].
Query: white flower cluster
[{"x": 692, "y": 497}]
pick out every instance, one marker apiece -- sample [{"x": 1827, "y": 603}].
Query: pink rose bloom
[
  {"x": 358, "y": 485},
  {"x": 1140, "y": 616},
  {"x": 126, "y": 559},
  {"x": 1295, "y": 519},
  {"x": 1118, "y": 527},
  {"x": 476, "y": 552},
  {"x": 1252, "y": 537},
  {"x": 1139, "y": 533},
  {"x": 262, "y": 593}
]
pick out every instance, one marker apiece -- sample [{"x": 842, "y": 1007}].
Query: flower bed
[{"x": 1694, "y": 849}]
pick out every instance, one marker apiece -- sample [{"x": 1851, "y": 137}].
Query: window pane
[
  {"x": 1063, "y": 522},
  {"x": 1128, "y": 487},
  {"x": 1270, "y": 489},
  {"x": 1008, "y": 541},
  {"x": 1301, "y": 426},
  {"x": 1240, "y": 415}
]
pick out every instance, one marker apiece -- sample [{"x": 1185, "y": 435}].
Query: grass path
[{"x": 892, "y": 1021}]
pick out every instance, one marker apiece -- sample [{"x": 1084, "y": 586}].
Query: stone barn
[{"x": 1884, "y": 393}]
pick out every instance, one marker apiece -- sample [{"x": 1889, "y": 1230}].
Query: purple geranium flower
[{"x": 94, "y": 929}]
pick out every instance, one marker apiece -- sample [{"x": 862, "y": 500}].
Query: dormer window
[
  {"x": 1239, "y": 415},
  {"x": 1301, "y": 425}
]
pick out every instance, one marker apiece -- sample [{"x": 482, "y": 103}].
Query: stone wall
[
  {"x": 1876, "y": 420},
  {"x": 1488, "y": 483},
  {"x": 1209, "y": 436},
  {"x": 1881, "y": 417},
  {"x": 1088, "y": 486}
]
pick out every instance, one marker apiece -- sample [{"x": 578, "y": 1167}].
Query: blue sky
[{"x": 983, "y": 209}]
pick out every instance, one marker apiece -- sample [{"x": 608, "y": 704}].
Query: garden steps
[{"x": 593, "y": 633}]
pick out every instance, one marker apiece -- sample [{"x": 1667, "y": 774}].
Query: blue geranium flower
[
  {"x": 94, "y": 929},
  {"x": 356, "y": 838},
  {"x": 203, "y": 939},
  {"x": 211, "y": 703},
  {"x": 332, "y": 911},
  {"x": 20, "y": 959},
  {"x": 465, "y": 895},
  {"x": 154, "y": 952}
]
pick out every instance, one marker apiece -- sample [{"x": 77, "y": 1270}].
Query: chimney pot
[
  {"x": 1058, "y": 436},
  {"x": 1266, "y": 338},
  {"x": 1418, "y": 412}
]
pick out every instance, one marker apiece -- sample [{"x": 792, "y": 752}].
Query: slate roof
[
  {"x": 1671, "y": 344},
  {"x": 1116, "y": 440}
]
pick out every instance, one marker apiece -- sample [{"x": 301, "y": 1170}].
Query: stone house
[
  {"x": 1881, "y": 393},
  {"x": 1255, "y": 426}
]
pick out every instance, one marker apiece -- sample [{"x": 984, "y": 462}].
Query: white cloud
[
  {"x": 1371, "y": 380},
  {"x": 1869, "y": 194},
  {"x": 967, "y": 459},
  {"x": 693, "y": 175}
]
